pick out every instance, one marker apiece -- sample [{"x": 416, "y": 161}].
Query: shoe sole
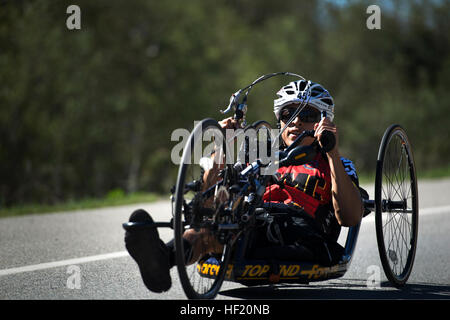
[{"x": 146, "y": 248}]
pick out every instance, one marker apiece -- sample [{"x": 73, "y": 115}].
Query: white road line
[
  {"x": 62, "y": 263},
  {"x": 54, "y": 264}
]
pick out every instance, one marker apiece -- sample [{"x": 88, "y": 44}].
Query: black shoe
[{"x": 150, "y": 253}]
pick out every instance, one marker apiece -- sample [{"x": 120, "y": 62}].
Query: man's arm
[
  {"x": 347, "y": 202},
  {"x": 346, "y": 198}
]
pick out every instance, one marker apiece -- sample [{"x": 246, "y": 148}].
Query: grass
[
  {"x": 113, "y": 198},
  {"x": 366, "y": 178},
  {"x": 434, "y": 173}
]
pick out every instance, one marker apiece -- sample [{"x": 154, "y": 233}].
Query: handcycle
[{"x": 222, "y": 197}]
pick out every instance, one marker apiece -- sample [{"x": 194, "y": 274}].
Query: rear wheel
[
  {"x": 199, "y": 202},
  {"x": 396, "y": 205}
]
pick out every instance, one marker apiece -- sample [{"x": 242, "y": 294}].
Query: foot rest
[{"x": 130, "y": 226}]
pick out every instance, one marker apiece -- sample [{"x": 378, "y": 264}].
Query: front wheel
[
  {"x": 201, "y": 188},
  {"x": 396, "y": 205}
]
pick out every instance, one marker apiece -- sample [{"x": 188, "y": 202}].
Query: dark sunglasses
[{"x": 308, "y": 114}]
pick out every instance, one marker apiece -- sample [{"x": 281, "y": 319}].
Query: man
[{"x": 325, "y": 189}]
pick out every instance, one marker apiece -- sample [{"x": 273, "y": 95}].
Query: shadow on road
[{"x": 357, "y": 289}]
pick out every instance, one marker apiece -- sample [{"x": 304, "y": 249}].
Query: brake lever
[{"x": 232, "y": 102}]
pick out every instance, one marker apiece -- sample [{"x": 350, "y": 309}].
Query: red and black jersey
[{"x": 308, "y": 186}]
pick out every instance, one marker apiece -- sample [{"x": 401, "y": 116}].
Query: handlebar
[
  {"x": 328, "y": 140},
  {"x": 295, "y": 154}
]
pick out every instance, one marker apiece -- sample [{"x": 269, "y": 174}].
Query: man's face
[{"x": 305, "y": 121}]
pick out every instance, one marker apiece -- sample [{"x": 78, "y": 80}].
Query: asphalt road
[{"x": 81, "y": 255}]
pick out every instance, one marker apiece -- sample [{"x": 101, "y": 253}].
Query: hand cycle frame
[{"x": 240, "y": 187}]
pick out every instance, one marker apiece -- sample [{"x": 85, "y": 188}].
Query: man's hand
[
  {"x": 229, "y": 123},
  {"x": 320, "y": 127},
  {"x": 210, "y": 177}
]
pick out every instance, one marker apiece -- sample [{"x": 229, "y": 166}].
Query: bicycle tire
[
  {"x": 188, "y": 273},
  {"x": 396, "y": 205}
]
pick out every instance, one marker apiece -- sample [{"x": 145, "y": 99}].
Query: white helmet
[{"x": 304, "y": 91}]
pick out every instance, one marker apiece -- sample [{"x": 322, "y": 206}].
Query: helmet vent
[
  {"x": 302, "y": 85},
  {"x": 317, "y": 91},
  {"x": 327, "y": 101}
]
